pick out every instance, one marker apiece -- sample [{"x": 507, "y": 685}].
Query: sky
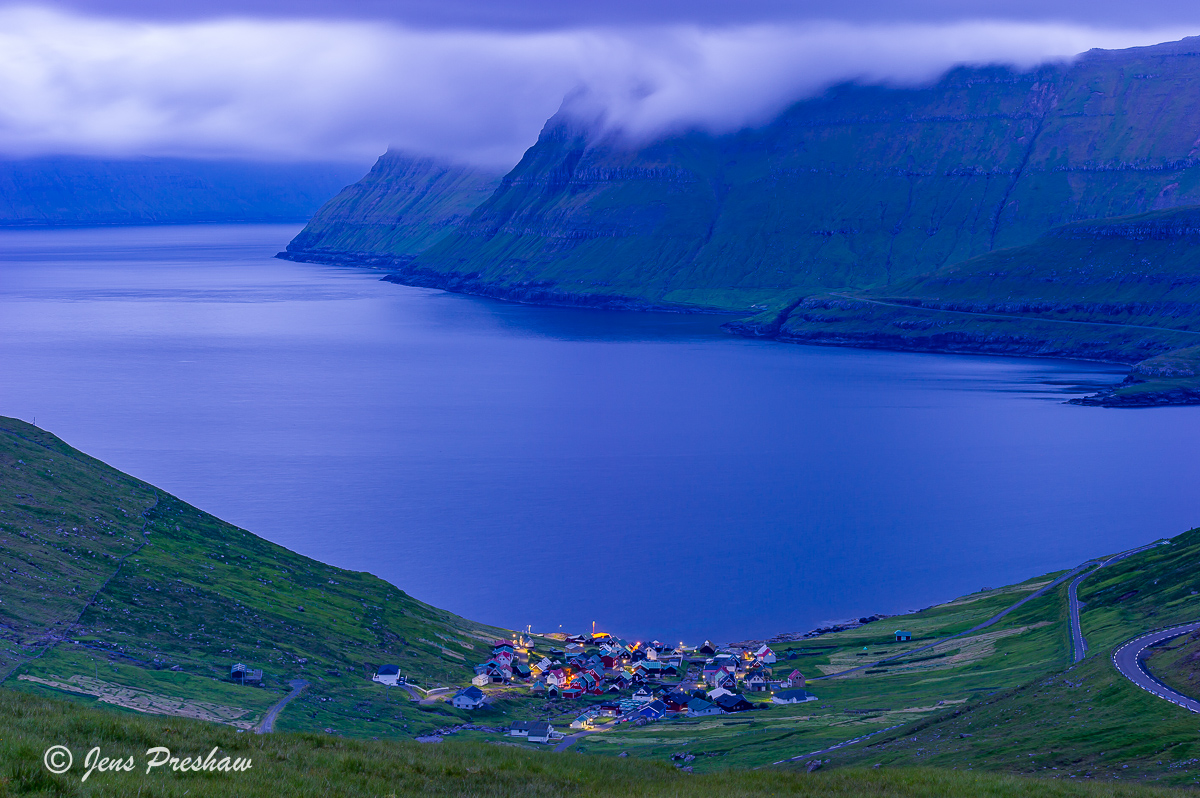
[{"x": 475, "y": 81}]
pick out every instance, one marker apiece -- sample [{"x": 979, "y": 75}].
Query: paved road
[
  {"x": 1079, "y": 646},
  {"x": 268, "y": 722},
  {"x": 1128, "y": 660},
  {"x": 985, "y": 624}
]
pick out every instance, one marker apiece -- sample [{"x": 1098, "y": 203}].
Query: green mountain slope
[
  {"x": 864, "y": 186},
  {"x": 108, "y": 585},
  {"x": 62, "y": 190},
  {"x": 402, "y": 207},
  {"x": 1123, "y": 290}
]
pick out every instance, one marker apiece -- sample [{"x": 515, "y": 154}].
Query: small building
[
  {"x": 713, "y": 695},
  {"x": 734, "y": 703},
  {"x": 792, "y": 697},
  {"x": 643, "y": 695},
  {"x": 699, "y": 708},
  {"x": 794, "y": 679},
  {"x": 540, "y": 732},
  {"x": 765, "y": 655},
  {"x": 480, "y": 679},
  {"x": 708, "y": 649},
  {"x": 242, "y": 675},
  {"x": 468, "y": 698},
  {"x": 652, "y": 711},
  {"x": 520, "y": 728},
  {"x": 757, "y": 682},
  {"x": 387, "y": 674},
  {"x": 903, "y": 636}
]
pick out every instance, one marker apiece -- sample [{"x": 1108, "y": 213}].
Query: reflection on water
[{"x": 545, "y": 466}]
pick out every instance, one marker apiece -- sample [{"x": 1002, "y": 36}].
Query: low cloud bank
[{"x": 320, "y": 90}]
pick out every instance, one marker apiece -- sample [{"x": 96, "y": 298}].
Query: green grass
[{"x": 288, "y": 764}]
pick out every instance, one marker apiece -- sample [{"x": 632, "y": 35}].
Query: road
[
  {"x": 1079, "y": 644},
  {"x": 1128, "y": 660},
  {"x": 980, "y": 626},
  {"x": 268, "y": 722}
]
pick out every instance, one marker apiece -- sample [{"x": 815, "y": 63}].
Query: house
[
  {"x": 652, "y": 711},
  {"x": 468, "y": 698},
  {"x": 480, "y": 679},
  {"x": 699, "y": 708},
  {"x": 734, "y": 703},
  {"x": 757, "y": 682},
  {"x": 556, "y": 678},
  {"x": 387, "y": 674},
  {"x": 540, "y": 732},
  {"x": 677, "y": 701},
  {"x": 520, "y": 728},
  {"x": 643, "y": 695},
  {"x": 572, "y": 692},
  {"x": 723, "y": 677},
  {"x": 794, "y": 679},
  {"x": 584, "y": 721},
  {"x": 541, "y": 667},
  {"x": 792, "y": 697},
  {"x": 242, "y": 675},
  {"x": 652, "y": 654},
  {"x": 903, "y": 636},
  {"x": 610, "y": 708},
  {"x": 520, "y": 671},
  {"x": 765, "y": 655},
  {"x": 708, "y": 649}
]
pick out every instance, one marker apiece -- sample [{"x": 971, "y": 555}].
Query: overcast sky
[{"x": 475, "y": 81}]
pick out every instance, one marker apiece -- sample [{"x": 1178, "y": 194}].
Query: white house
[
  {"x": 713, "y": 695},
  {"x": 468, "y": 698},
  {"x": 541, "y": 667},
  {"x": 699, "y": 708},
  {"x": 387, "y": 674},
  {"x": 792, "y": 697},
  {"x": 480, "y": 679},
  {"x": 765, "y": 655},
  {"x": 540, "y": 732}
]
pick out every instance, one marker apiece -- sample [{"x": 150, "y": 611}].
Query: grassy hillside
[
  {"x": 285, "y": 765},
  {"x": 1087, "y": 720},
  {"x": 402, "y": 207},
  {"x": 861, "y": 187},
  {"x": 61, "y": 190},
  {"x": 115, "y": 591},
  {"x": 1123, "y": 290}
]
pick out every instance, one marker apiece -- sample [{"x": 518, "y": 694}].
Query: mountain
[
  {"x": 863, "y": 186},
  {"x": 1124, "y": 290},
  {"x": 402, "y": 207},
  {"x": 72, "y": 191}
]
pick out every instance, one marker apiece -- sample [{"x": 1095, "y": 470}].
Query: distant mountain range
[
  {"x": 73, "y": 191},
  {"x": 863, "y": 188}
]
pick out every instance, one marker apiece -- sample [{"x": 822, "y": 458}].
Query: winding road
[
  {"x": 1079, "y": 645},
  {"x": 268, "y": 722},
  {"x": 1128, "y": 660}
]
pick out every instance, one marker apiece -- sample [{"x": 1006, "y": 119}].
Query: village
[{"x": 635, "y": 683}]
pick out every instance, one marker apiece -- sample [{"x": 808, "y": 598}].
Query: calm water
[{"x": 540, "y": 466}]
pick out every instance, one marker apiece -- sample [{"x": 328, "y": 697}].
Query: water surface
[{"x": 544, "y": 466}]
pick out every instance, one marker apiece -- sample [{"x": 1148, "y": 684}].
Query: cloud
[{"x": 306, "y": 89}]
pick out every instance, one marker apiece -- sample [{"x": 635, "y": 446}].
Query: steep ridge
[
  {"x": 62, "y": 190},
  {"x": 403, "y": 205},
  {"x": 864, "y": 186}
]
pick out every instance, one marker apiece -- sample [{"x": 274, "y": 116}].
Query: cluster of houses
[{"x": 608, "y": 667}]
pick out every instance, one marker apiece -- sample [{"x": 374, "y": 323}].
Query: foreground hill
[
  {"x": 113, "y": 589},
  {"x": 861, "y": 187},
  {"x": 61, "y": 190},
  {"x": 1124, "y": 290}
]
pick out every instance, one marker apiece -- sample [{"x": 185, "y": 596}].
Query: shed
[
  {"x": 903, "y": 636},
  {"x": 387, "y": 674}
]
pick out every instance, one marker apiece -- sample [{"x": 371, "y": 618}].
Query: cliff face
[
  {"x": 864, "y": 186},
  {"x": 40, "y": 192},
  {"x": 399, "y": 209}
]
